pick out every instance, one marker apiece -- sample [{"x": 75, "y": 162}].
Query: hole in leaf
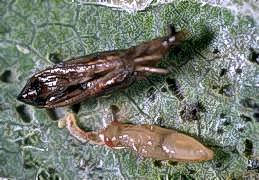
[
  {"x": 51, "y": 170},
  {"x": 6, "y": 76},
  {"x": 191, "y": 112},
  {"x": 151, "y": 94},
  {"x": 218, "y": 165},
  {"x": 159, "y": 121},
  {"x": 245, "y": 118},
  {"x": 192, "y": 171},
  {"x": 52, "y": 114},
  {"x": 115, "y": 109},
  {"x": 76, "y": 107},
  {"x": 157, "y": 163},
  {"x": 227, "y": 122},
  {"x": 215, "y": 87},
  {"x": 200, "y": 106},
  {"x": 241, "y": 130},
  {"x": 226, "y": 90},
  {"x": 238, "y": 71},
  {"x": 55, "y": 58},
  {"x": 223, "y": 72},
  {"x": 222, "y": 115},
  {"x": 175, "y": 87},
  {"x": 248, "y": 148},
  {"x": 256, "y": 116},
  {"x": 215, "y": 51},
  {"x": 23, "y": 113},
  {"x": 163, "y": 89},
  {"x": 254, "y": 56},
  {"x": 27, "y": 141},
  {"x": 115, "y": 112},
  {"x": 220, "y": 131},
  {"x": 172, "y": 163}
]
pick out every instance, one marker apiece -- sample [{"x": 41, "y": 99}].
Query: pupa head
[{"x": 31, "y": 93}]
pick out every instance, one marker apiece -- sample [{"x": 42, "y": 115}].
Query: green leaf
[{"x": 210, "y": 94}]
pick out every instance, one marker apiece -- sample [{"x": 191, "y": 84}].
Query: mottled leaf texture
[{"x": 211, "y": 92}]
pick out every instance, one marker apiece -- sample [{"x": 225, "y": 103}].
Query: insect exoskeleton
[
  {"x": 147, "y": 140},
  {"x": 79, "y": 78}
]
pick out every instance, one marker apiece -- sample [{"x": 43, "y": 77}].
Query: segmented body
[
  {"x": 146, "y": 140},
  {"x": 79, "y": 78}
]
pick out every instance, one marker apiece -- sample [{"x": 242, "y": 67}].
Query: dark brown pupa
[{"x": 79, "y": 78}]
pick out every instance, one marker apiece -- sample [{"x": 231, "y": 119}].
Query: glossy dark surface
[{"x": 80, "y": 78}]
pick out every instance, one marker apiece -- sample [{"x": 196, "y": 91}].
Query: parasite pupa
[{"x": 149, "y": 141}]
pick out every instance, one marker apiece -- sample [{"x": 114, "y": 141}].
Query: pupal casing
[{"x": 146, "y": 140}]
